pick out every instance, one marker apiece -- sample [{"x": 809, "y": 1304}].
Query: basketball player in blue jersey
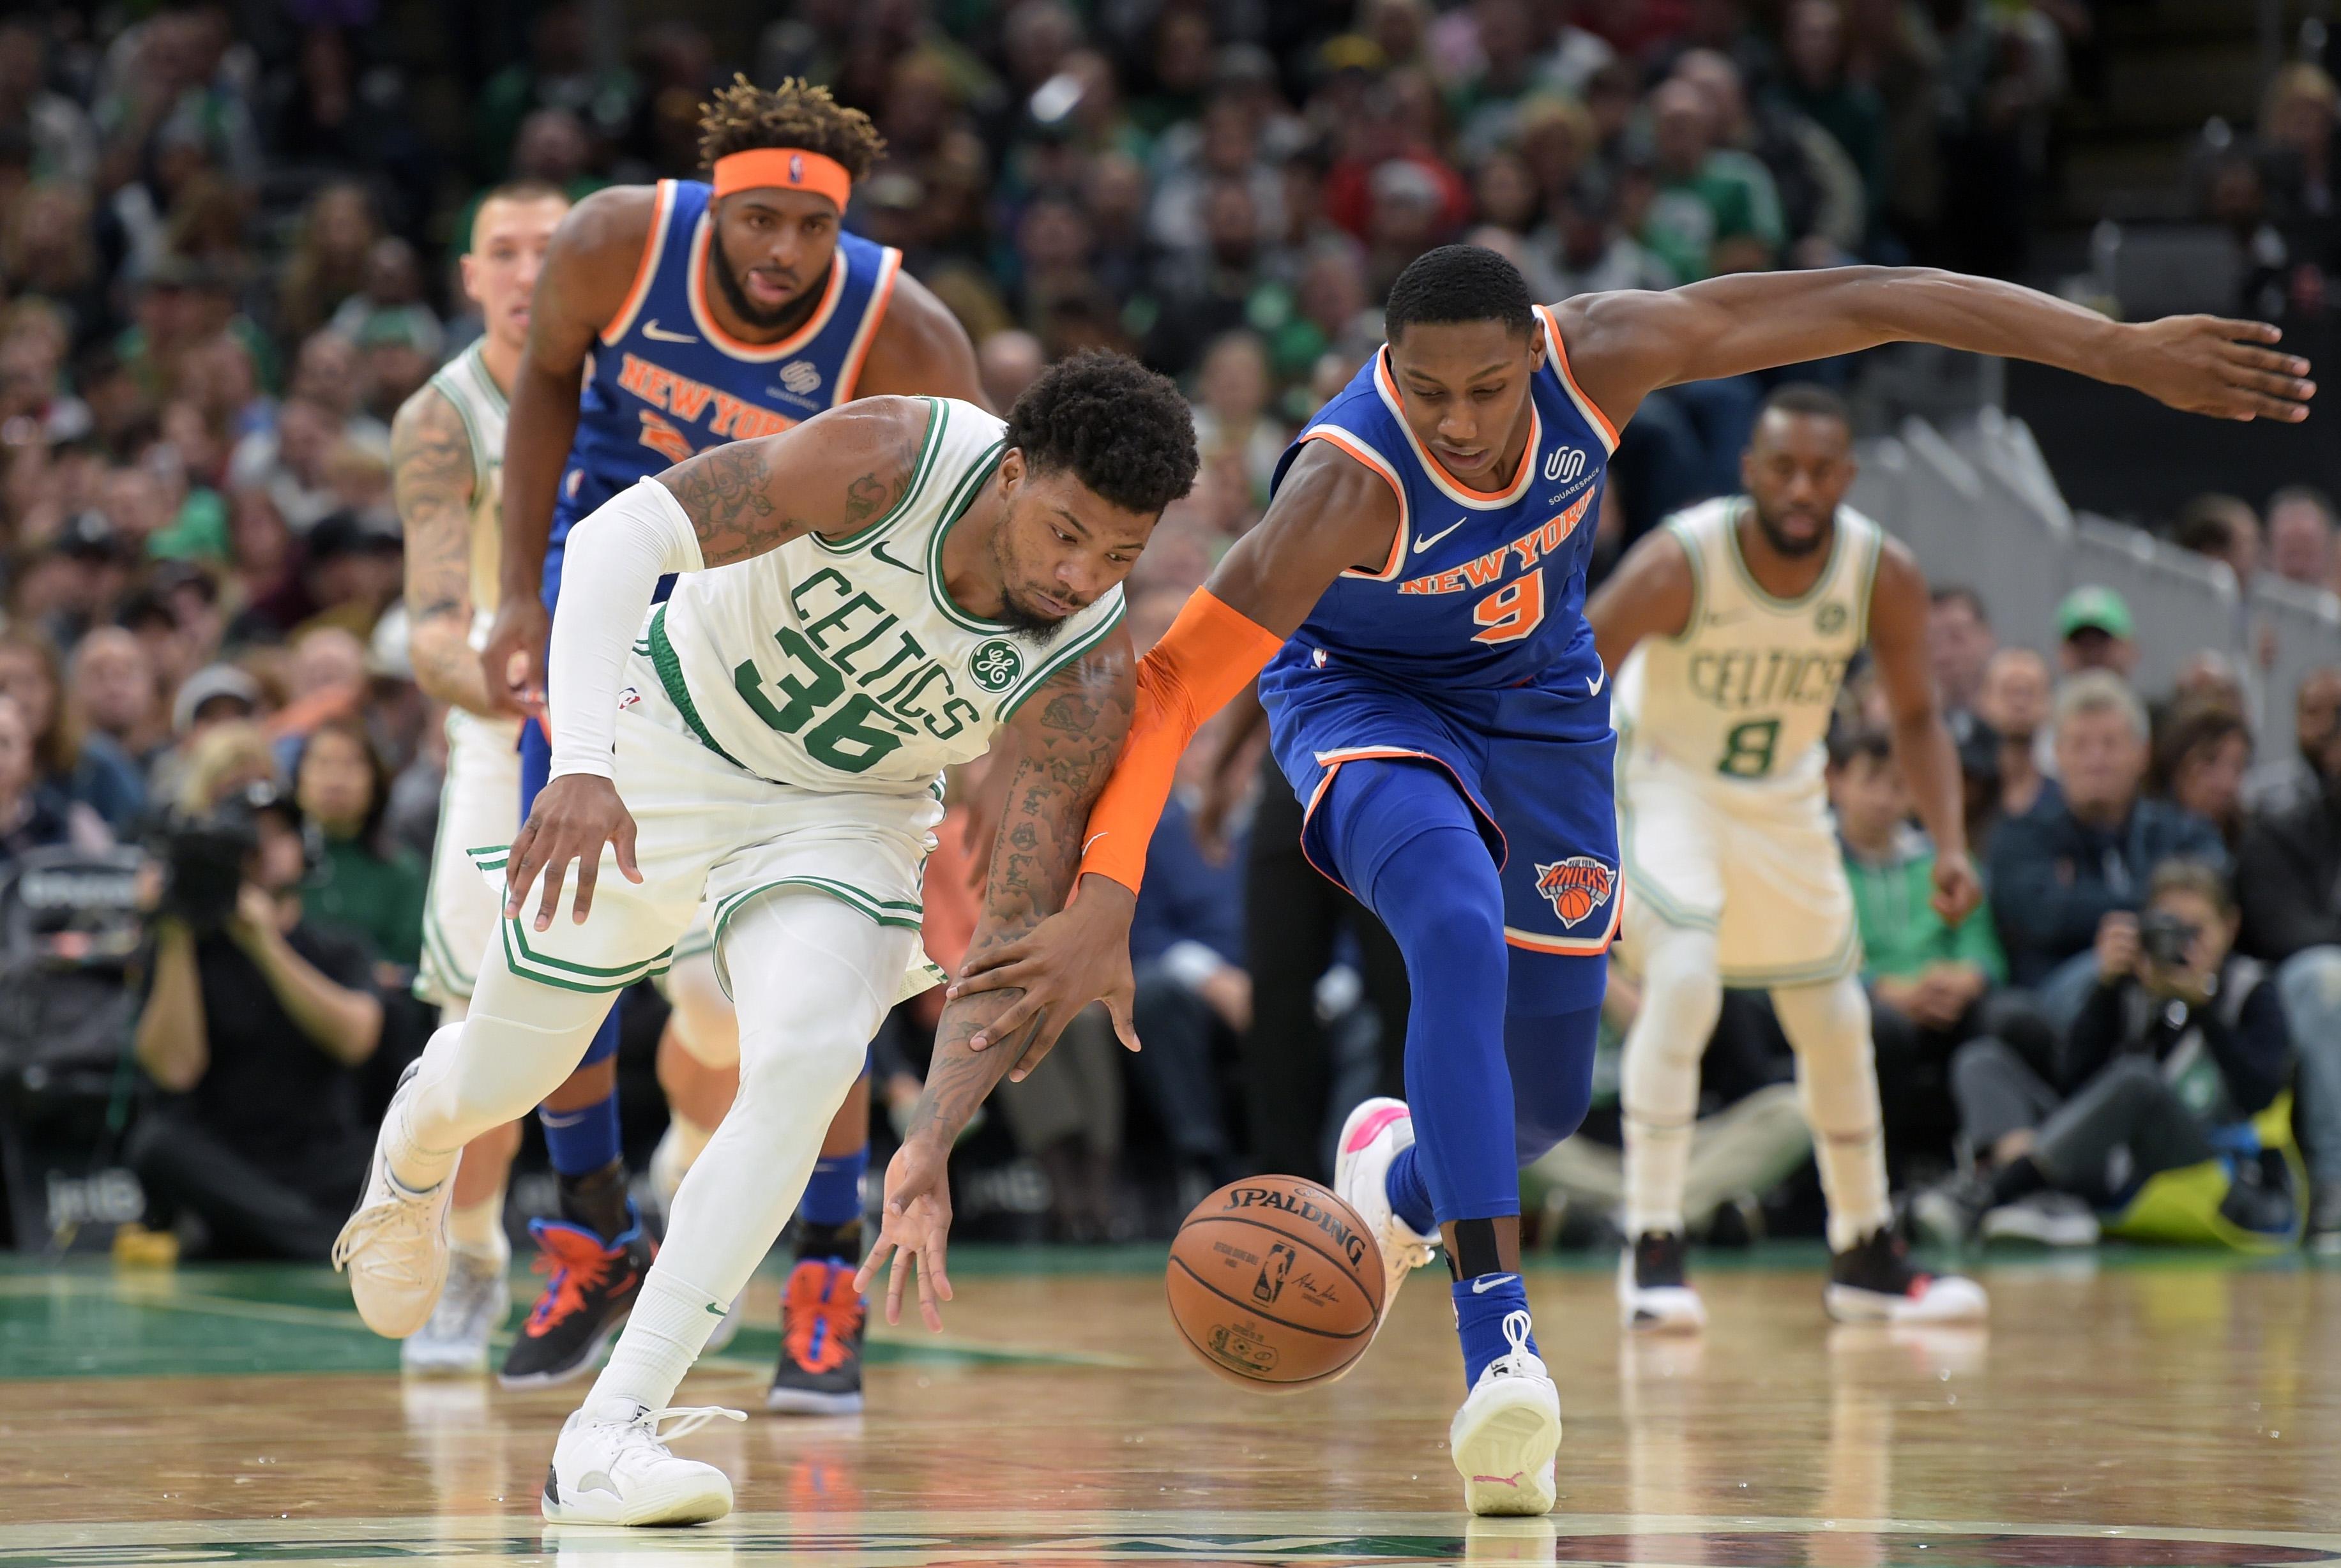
[
  {"x": 696, "y": 315},
  {"x": 1412, "y": 605}
]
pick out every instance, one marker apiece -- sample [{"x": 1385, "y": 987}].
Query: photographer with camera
[
  {"x": 251, "y": 1024},
  {"x": 2179, "y": 1045}
]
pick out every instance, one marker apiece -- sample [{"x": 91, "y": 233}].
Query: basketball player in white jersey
[
  {"x": 447, "y": 451},
  {"x": 1731, "y": 629},
  {"x": 908, "y": 576}
]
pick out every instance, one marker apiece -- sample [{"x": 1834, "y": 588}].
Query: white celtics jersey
[
  {"x": 1746, "y": 692},
  {"x": 464, "y": 381},
  {"x": 843, "y": 663}
]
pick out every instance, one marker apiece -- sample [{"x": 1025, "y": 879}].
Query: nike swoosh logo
[
  {"x": 1593, "y": 682},
  {"x": 879, "y": 550},
  {"x": 1427, "y": 541},
  {"x": 651, "y": 331},
  {"x": 1482, "y": 1285},
  {"x": 713, "y": 1310}
]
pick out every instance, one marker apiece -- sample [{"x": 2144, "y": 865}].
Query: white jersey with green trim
[
  {"x": 479, "y": 403},
  {"x": 1744, "y": 695},
  {"x": 844, "y": 663}
]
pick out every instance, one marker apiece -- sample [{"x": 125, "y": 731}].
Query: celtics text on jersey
[
  {"x": 831, "y": 661},
  {"x": 1746, "y": 690}
]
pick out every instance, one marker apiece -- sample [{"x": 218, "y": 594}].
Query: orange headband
[{"x": 790, "y": 168}]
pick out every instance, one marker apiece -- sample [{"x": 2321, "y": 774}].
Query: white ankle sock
[
  {"x": 664, "y": 1334},
  {"x": 479, "y": 1228}
]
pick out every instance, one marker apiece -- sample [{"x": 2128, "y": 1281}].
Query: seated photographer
[
  {"x": 252, "y": 1022},
  {"x": 2179, "y": 1045}
]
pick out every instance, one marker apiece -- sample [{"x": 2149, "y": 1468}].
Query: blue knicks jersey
[
  {"x": 667, "y": 381},
  {"x": 1480, "y": 589}
]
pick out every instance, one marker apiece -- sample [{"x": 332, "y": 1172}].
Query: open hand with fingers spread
[
  {"x": 2211, "y": 366},
  {"x": 914, "y": 1228},
  {"x": 574, "y": 815}
]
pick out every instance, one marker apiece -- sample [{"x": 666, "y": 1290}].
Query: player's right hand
[
  {"x": 2210, "y": 365},
  {"x": 513, "y": 660},
  {"x": 914, "y": 1229},
  {"x": 573, "y": 816}
]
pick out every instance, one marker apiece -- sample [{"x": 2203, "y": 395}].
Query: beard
[
  {"x": 1014, "y": 615},
  {"x": 736, "y": 294},
  {"x": 1782, "y": 544}
]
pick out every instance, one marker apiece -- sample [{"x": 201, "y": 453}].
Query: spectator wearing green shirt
[
  {"x": 1715, "y": 209},
  {"x": 359, "y": 884},
  {"x": 1927, "y": 980}
]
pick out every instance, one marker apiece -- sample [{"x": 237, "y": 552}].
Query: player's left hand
[
  {"x": 2212, "y": 365},
  {"x": 1078, "y": 956},
  {"x": 573, "y": 816},
  {"x": 1957, "y": 890},
  {"x": 914, "y": 1229}
]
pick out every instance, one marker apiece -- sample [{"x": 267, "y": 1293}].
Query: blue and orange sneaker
[
  {"x": 592, "y": 1287},
  {"x": 821, "y": 1319}
]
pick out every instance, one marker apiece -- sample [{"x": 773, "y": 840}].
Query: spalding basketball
[{"x": 1275, "y": 1282}]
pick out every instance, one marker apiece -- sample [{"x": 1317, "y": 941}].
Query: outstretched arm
[
  {"x": 1922, "y": 743},
  {"x": 1067, "y": 736},
  {"x": 1625, "y": 345},
  {"x": 432, "y": 471},
  {"x": 831, "y": 475}
]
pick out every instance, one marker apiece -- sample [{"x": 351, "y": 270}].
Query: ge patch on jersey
[{"x": 996, "y": 665}]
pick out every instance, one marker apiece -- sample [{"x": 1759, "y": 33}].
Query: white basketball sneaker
[
  {"x": 1873, "y": 1282},
  {"x": 1506, "y": 1438},
  {"x": 472, "y": 1307},
  {"x": 1654, "y": 1296},
  {"x": 1370, "y": 1139},
  {"x": 395, "y": 1246},
  {"x": 610, "y": 1466}
]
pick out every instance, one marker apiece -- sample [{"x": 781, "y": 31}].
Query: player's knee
[
  {"x": 702, "y": 1020},
  {"x": 1446, "y": 911},
  {"x": 1542, "y": 1122},
  {"x": 783, "y": 1070},
  {"x": 1827, "y": 1022}
]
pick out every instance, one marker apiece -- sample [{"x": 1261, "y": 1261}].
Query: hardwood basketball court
[{"x": 2129, "y": 1410}]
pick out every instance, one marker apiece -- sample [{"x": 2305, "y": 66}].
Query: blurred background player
[
  {"x": 1731, "y": 629},
  {"x": 709, "y": 312},
  {"x": 446, "y": 454},
  {"x": 1415, "y": 593}
]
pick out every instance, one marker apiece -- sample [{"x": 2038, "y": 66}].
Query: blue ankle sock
[
  {"x": 833, "y": 1196},
  {"x": 1409, "y": 1195},
  {"x": 583, "y": 1140},
  {"x": 1481, "y": 1305}
]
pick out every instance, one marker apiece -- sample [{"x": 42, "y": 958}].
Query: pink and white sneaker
[
  {"x": 1371, "y": 1139},
  {"x": 1505, "y": 1440}
]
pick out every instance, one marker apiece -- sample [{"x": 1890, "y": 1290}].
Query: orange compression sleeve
[{"x": 1209, "y": 654}]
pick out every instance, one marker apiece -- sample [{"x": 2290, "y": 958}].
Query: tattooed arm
[
  {"x": 1067, "y": 737},
  {"x": 432, "y": 473},
  {"x": 833, "y": 475}
]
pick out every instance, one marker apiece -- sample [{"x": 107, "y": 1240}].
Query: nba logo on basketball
[{"x": 1576, "y": 887}]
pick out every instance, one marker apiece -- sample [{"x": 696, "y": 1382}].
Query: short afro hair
[
  {"x": 1122, "y": 431},
  {"x": 1808, "y": 399},
  {"x": 1459, "y": 283},
  {"x": 796, "y": 113}
]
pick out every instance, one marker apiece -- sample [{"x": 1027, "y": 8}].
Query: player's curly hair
[
  {"x": 1125, "y": 432},
  {"x": 796, "y": 113}
]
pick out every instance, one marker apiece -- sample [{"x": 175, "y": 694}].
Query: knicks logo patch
[{"x": 1576, "y": 887}]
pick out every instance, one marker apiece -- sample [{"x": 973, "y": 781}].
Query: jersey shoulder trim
[
  {"x": 695, "y": 292},
  {"x": 453, "y": 392},
  {"x": 1873, "y": 541},
  {"x": 678, "y": 689},
  {"x": 1081, "y": 643},
  {"x": 1344, "y": 442},
  {"x": 937, "y": 416},
  {"x": 873, "y": 316},
  {"x": 1683, "y": 526},
  {"x": 1585, "y": 405},
  {"x": 953, "y": 509},
  {"x": 646, "y": 265},
  {"x": 1454, "y": 488}
]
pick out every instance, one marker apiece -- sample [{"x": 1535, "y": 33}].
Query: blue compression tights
[{"x": 1493, "y": 1084}]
